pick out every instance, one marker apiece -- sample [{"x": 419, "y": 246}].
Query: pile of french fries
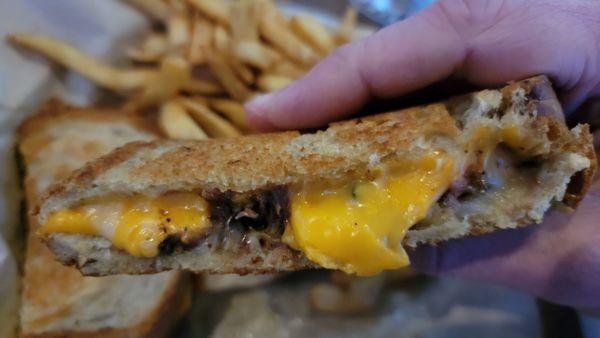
[{"x": 204, "y": 59}]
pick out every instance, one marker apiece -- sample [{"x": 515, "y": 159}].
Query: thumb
[{"x": 396, "y": 60}]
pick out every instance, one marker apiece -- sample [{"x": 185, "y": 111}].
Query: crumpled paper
[{"x": 445, "y": 308}]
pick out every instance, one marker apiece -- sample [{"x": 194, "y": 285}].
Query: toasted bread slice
[
  {"x": 513, "y": 153},
  {"x": 57, "y": 301}
]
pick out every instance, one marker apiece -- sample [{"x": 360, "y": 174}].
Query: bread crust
[
  {"x": 346, "y": 151},
  {"x": 256, "y": 161}
]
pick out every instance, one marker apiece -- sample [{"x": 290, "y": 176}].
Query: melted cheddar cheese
[
  {"x": 136, "y": 224},
  {"x": 359, "y": 228}
]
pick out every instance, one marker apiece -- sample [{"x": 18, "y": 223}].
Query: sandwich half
[
  {"x": 57, "y": 301},
  {"x": 350, "y": 197}
]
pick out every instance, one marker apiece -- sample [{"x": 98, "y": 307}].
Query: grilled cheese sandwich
[
  {"x": 330, "y": 225},
  {"x": 348, "y": 198}
]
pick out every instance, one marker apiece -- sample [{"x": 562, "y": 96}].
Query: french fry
[
  {"x": 174, "y": 74},
  {"x": 152, "y": 49},
  {"x": 255, "y": 54},
  {"x": 177, "y": 124},
  {"x": 216, "y": 10},
  {"x": 177, "y": 6},
  {"x": 241, "y": 70},
  {"x": 217, "y": 62},
  {"x": 202, "y": 87},
  {"x": 221, "y": 38},
  {"x": 311, "y": 31},
  {"x": 287, "y": 69},
  {"x": 222, "y": 44},
  {"x": 347, "y": 26},
  {"x": 156, "y": 9},
  {"x": 209, "y": 47},
  {"x": 142, "y": 56},
  {"x": 200, "y": 40},
  {"x": 88, "y": 66},
  {"x": 245, "y": 38},
  {"x": 268, "y": 9},
  {"x": 271, "y": 83},
  {"x": 178, "y": 34},
  {"x": 156, "y": 43},
  {"x": 274, "y": 29},
  {"x": 233, "y": 110},
  {"x": 200, "y": 99},
  {"x": 244, "y": 16},
  {"x": 215, "y": 125},
  {"x": 134, "y": 104}
]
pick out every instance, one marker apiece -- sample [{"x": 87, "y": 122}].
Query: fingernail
[
  {"x": 259, "y": 101},
  {"x": 257, "y": 112}
]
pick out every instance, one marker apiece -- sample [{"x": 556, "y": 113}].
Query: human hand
[{"x": 487, "y": 43}]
